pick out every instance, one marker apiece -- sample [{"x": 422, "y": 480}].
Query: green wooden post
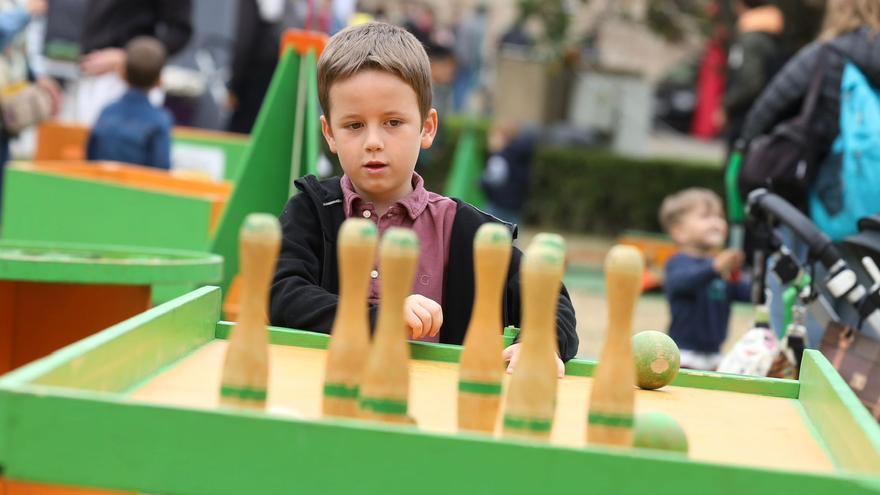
[
  {"x": 467, "y": 167},
  {"x": 311, "y": 134},
  {"x": 265, "y": 176}
]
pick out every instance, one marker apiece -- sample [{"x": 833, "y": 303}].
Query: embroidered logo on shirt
[{"x": 718, "y": 290}]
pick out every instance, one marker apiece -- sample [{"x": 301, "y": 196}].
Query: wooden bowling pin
[
  {"x": 350, "y": 336},
  {"x": 246, "y": 367},
  {"x": 531, "y": 395},
  {"x": 549, "y": 239},
  {"x": 481, "y": 367},
  {"x": 385, "y": 385},
  {"x": 612, "y": 400}
]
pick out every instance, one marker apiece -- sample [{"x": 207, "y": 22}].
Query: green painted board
[
  {"x": 104, "y": 264},
  {"x": 233, "y": 150},
  {"x": 49, "y": 207},
  {"x": 850, "y": 433},
  {"x": 264, "y": 180},
  {"x": 62, "y": 421},
  {"x": 78, "y": 440}
]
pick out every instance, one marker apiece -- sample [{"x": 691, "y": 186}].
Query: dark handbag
[
  {"x": 856, "y": 357},
  {"x": 784, "y": 161}
]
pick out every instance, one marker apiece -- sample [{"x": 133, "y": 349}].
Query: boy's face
[
  {"x": 702, "y": 228},
  {"x": 376, "y": 130}
]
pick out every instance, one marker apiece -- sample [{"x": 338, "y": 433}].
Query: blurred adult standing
[
  {"x": 852, "y": 31},
  {"x": 752, "y": 60},
  {"x": 108, "y": 26},
  {"x": 254, "y": 58},
  {"x": 468, "y": 55}
]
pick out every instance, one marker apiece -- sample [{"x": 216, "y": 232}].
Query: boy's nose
[{"x": 374, "y": 141}]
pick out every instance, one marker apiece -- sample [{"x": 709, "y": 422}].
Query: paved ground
[{"x": 584, "y": 280}]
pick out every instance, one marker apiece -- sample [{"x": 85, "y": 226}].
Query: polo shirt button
[
  {"x": 374, "y": 274},
  {"x": 367, "y": 213}
]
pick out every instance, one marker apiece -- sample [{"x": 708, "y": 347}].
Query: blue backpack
[{"x": 847, "y": 185}]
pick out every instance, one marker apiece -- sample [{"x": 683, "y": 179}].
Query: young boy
[
  {"x": 374, "y": 86},
  {"x": 131, "y": 129},
  {"x": 697, "y": 282}
]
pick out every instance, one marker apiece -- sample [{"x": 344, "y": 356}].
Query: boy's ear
[
  {"x": 429, "y": 129},
  {"x": 328, "y": 134}
]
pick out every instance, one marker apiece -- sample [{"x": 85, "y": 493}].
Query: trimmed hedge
[{"x": 583, "y": 190}]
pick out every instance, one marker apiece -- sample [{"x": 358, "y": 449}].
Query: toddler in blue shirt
[
  {"x": 131, "y": 129},
  {"x": 698, "y": 281}
]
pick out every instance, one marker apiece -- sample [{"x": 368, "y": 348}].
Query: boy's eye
[
  {"x": 353, "y": 126},
  {"x": 394, "y": 123}
]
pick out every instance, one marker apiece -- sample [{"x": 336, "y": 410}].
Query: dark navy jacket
[
  {"x": 699, "y": 301},
  {"x": 132, "y": 130}
]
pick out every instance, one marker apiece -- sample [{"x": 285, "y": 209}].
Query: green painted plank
[
  {"x": 233, "y": 149},
  {"x": 311, "y": 120},
  {"x": 104, "y": 264},
  {"x": 264, "y": 181},
  {"x": 50, "y": 207},
  {"x": 116, "y": 358},
  {"x": 848, "y": 430},
  {"x": 81, "y": 439}
]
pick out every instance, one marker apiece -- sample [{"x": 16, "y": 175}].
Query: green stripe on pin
[
  {"x": 531, "y": 424},
  {"x": 341, "y": 390},
  {"x": 613, "y": 420},
  {"x": 245, "y": 393},
  {"x": 482, "y": 388},
  {"x": 384, "y": 406}
]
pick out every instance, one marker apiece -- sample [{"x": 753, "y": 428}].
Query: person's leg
[
  {"x": 462, "y": 88},
  {"x": 4, "y": 157}
]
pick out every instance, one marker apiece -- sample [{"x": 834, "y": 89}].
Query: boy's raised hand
[
  {"x": 423, "y": 316},
  {"x": 727, "y": 261},
  {"x": 511, "y": 355}
]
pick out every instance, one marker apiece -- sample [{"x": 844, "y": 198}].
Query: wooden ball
[
  {"x": 659, "y": 431},
  {"x": 656, "y": 358}
]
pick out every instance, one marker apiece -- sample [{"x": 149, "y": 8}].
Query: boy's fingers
[
  {"x": 508, "y": 351},
  {"x": 425, "y": 318},
  {"x": 413, "y": 322},
  {"x": 560, "y": 367},
  {"x": 513, "y": 357},
  {"x": 436, "y": 312}
]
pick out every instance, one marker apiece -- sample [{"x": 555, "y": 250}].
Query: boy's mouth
[{"x": 375, "y": 165}]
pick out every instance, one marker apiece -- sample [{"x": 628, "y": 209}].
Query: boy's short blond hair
[
  {"x": 677, "y": 205},
  {"x": 375, "y": 46}
]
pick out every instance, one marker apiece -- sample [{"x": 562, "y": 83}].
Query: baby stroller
[{"x": 838, "y": 284}]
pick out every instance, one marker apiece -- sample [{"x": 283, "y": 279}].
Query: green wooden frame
[
  {"x": 65, "y": 420},
  {"x": 105, "y": 264}
]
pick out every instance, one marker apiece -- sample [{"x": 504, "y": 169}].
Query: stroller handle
[{"x": 764, "y": 203}]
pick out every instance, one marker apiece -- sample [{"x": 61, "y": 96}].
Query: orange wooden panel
[
  {"x": 656, "y": 251},
  {"x": 67, "y": 141},
  {"x": 61, "y": 141},
  {"x": 7, "y": 305},
  {"x": 10, "y": 487},
  {"x": 302, "y": 40},
  {"x": 49, "y": 316}
]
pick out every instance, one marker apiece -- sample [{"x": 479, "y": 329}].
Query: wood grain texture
[{"x": 724, "y": 427}]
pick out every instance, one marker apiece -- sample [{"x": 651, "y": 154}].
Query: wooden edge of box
[{"x": 845, "y": 426}]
